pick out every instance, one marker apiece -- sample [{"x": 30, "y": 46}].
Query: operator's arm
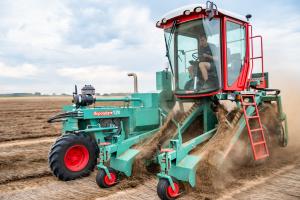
[{"x": 212, "y": 57}]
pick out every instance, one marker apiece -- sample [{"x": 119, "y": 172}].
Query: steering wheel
[{"x": 195, "y": 56}]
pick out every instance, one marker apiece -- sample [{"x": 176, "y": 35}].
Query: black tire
[
  {"x": 57, "y": 156},
  {"x": 100, "y": 178},
  {"x": 282, "y": 137},
  {"x": 274, "y": 125},
  {"x": 161, "y": 189}
]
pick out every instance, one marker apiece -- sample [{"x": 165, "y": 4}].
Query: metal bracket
[{"x": 169, "y": 178}]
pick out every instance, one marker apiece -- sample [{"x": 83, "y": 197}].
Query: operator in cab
[
  {"x": 204, "y": 67},
  {"x": 206, "y": 59}
]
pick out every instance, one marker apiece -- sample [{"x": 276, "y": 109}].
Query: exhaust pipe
[{"x": 135, "y": 81}]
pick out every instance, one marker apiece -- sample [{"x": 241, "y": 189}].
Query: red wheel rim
[
  {"x": 76, "y": 158},
  {"x": 173, "y": 193},
  {"x": 111, "y": 181}
]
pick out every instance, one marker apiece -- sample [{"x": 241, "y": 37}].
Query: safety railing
[{"x": 252, "y": 57}]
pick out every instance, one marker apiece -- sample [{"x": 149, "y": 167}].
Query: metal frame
[
  {"x": 140, "y": 117},
  {"x": 117, "y": 149},
  {"x": 175, "y": 162}
]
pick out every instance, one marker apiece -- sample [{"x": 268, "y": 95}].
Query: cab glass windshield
[{"x": 194, "y": 53}]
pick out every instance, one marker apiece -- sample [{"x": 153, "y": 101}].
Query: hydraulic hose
[{"x": 61, "y": 116}]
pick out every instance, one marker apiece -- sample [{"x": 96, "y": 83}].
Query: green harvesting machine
[
  {"x": 212, "y": 58},
  {"x": 107, "y": 133}
]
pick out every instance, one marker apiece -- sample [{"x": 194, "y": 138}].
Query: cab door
[{"x": 236, "y": 62}]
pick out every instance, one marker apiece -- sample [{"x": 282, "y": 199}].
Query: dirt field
[
  {"x": 24, "y": 118},
  {"x": 25, "y": 139}
]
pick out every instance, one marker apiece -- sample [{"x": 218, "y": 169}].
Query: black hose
[
  {"x": 59, "y": 117},
  {"x": 56, "y": 120}
]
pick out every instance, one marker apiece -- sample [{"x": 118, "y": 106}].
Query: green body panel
[
  {"x": 70, "y": 124},
  {"x": 257, "y": 79},
  {"x": 209, "y": 118},
  {"x": 123, "y": 163},
  {"x": 150, "y": 100},
  {"x": 186, "y": 169},
  {"x": 164, "y": 85},
  {"x": 146, "y": 118}
]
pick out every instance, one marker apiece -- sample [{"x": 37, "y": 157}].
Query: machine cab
[{"x": 208, "y": 50}]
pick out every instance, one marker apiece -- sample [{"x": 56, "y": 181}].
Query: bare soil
[
  {"x": 23, "y": 118},
  {"x": 24, "y": 159}
]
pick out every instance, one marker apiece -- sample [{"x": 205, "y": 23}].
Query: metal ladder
[{"x": 255, "y": 129}]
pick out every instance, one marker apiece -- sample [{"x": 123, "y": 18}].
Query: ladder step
[
  {"x": 249, "y": 104},
  {"x": 253, "y": 117},
  {"x": 257, "y": 129},
  {"x": 259, "y": 143},
  {"x": 261, "y": 157}
]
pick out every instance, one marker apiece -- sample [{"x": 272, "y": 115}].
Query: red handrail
[{"x": 252, "y": 58}]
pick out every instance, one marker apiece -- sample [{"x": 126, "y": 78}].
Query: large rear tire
[{"x": 73, "y": 156}]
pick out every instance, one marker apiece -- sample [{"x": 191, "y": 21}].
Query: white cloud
[
  {"x": 75, "y": 35},
  {"x": 20, "y": 71},
  {"x": 92, "y": 73},
  {"x": 36, "y": 23},
  {"x": 106, "y": 78}
]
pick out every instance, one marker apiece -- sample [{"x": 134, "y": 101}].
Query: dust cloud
[{"x": 213, "y": 179}]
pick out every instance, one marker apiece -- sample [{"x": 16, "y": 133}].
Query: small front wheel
[
  {"x": 165, "y": 191},
  {"x": 104, "y": 181}
]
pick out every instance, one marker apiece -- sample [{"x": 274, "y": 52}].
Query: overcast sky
[{"x": 49, "y": 46}]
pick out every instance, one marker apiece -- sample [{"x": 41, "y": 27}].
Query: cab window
[
  {"x": 197, "y": 43},
  {"x": 236, "y": 50}
]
